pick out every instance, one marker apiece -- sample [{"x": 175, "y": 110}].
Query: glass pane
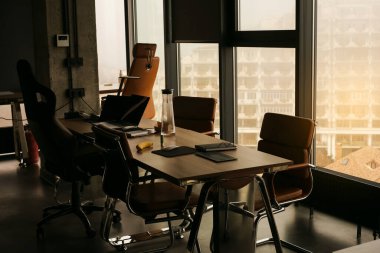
[
  {"x": 348, "y": 90},
  {"x": 265, "y": 83},
  {"x": 110, "y": 35},
  {"x": 150, "y": 29},
  {"x": 258, "y": 15},
  {"x": 200, "y": 72}
]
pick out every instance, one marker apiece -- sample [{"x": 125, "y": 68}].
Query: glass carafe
[{"x": 167, "y": 117}]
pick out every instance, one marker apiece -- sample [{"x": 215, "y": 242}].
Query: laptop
[{"x": 121, "y": 111}]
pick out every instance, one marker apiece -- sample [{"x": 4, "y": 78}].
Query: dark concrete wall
[
  {"x": 85, "y": 76},
  {"x": 16, "y": 40},
  {"x": 28, "y": 29}
]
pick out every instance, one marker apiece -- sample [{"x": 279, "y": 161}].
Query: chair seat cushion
[
  {"x": 159, "y": 197},
  {"x": 287, "y": 193}
]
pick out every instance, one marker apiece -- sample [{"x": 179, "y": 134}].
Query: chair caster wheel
[
  {"x": 40, "y": 233},
  {"x": 116, "y": 217},
  {"x": 179, "y": 236},
  {"x": 90, "y": 233}
]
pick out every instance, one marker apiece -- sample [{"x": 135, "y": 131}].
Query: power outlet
[{"x": 74, "y": 93}]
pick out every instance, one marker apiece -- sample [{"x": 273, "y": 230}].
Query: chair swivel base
[
  {"x": 59, "y": 210},
  {"x": 122, "y": 243}
]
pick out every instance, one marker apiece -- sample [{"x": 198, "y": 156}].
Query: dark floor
[{"x": 23, "y": 195}]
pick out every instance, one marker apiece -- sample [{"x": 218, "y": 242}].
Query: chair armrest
[
  {"x": 296, "y": 177},
  {"x": 299, "y": 166},
  {"x": 210, "y": 133}
]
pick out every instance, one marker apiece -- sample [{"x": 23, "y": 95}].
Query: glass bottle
[{"x": 167, "y": 117}]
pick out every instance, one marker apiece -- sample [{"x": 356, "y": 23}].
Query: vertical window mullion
[{"x": 227, "y": 89}]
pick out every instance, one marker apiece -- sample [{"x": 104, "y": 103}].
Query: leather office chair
[
  {"x": 289, "y": 137},
  {"x": 195, "y": 113},
  {"x": 63, "y": 155},
  {"x": 153, "y": 201},
  {"x": 145, "y": 66}
]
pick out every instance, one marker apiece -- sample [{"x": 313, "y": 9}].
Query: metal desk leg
[
  {"x": 268, "y": 208},
  {"x": 216, "y": 221},
  {"x": 198, "y": 215},
  {"x": 19, "y": 133}
]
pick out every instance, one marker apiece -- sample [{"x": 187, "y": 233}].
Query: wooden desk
[
  {"x": 191, "y": 169},
  {"x": 368, "y": 247},
  {"x": 14, "y": 99}
]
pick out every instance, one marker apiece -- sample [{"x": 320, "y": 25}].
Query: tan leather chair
[
  {"x": 145, "y": 66},
  {"x": 289, "y": 137},
  {"x": 154, "y": 201},
  {"x": 195, "y": 113}
]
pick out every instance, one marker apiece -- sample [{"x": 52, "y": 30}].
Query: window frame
[{"x": 302, "y": 39}]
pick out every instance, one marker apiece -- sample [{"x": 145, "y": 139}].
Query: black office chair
[
  {"x": 154, "y": 201},
  {"x": 62, "y": 154}
]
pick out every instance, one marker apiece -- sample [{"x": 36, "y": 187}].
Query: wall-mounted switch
[{"x": 62, "y": 40}]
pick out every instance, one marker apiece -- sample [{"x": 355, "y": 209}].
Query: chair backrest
[
  {"x": 289, "y": 137},
  {"x": 145, "y": 66},
  {"x": 56, "y": 142},
  {"x": 194, "y": 113},
  {"x": 118, "y": 176}
]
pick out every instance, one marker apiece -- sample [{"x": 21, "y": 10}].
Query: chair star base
[
  {"x": 122, "y": 243},
  {"x": 75, "y": 206}
]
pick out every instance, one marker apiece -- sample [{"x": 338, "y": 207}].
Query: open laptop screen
[{"x": 124, "y": 109}]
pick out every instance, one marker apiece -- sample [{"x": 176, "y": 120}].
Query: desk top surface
[
  {"x": 368, "y": 247},
  {"x": 189, "y": 169},
  {"x": 10, "y": 96}
]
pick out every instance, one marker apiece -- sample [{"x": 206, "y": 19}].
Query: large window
[
  {"x": 265, "y": 74},
  {"x": 265, "y": 83},
  {"x": 110, "y": 36},
  {"x": 150, "y": 29},
  {"x": 200, "y": 72},
  {"x": 348, "y": 78},
  {"x": 259, "y": 15}
]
